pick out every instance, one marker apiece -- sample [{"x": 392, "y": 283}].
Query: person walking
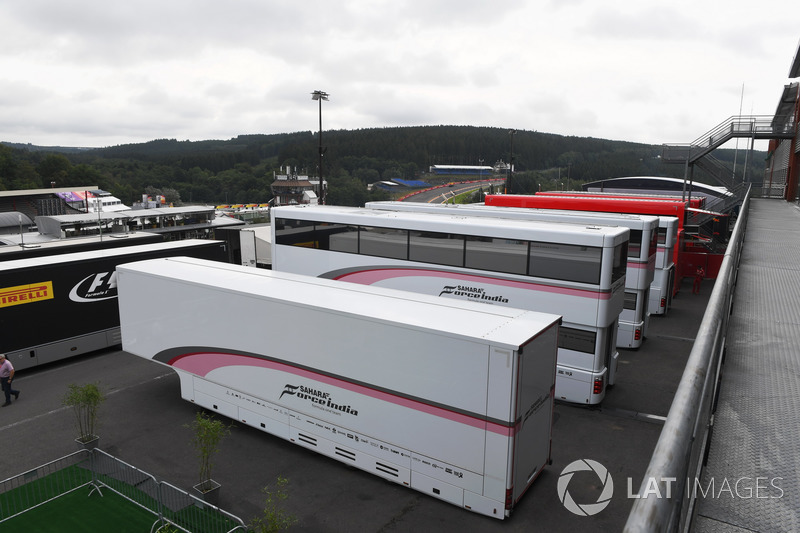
[
  {"x": 699, "y": 274},
  {"x": 6, "y": 376}
]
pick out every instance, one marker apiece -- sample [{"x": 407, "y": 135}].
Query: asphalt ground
[{"x": 143, "y": 423}]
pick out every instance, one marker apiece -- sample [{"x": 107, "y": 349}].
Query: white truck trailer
[{"x": 453, "y": 399}]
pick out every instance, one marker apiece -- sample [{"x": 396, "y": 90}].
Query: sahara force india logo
[
  {"x": 319, "y": 399},
  {"x": 472, "y": 293},
  {"x": 25, "y": 294}
]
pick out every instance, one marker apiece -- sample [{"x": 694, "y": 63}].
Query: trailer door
[{"x": 537, "y": 366}]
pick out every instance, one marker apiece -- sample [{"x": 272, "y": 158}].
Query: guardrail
[{"x": 681, "y": 449}]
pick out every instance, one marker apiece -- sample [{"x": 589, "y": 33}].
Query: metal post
[
  {"x": 511, "y": 133},
  {"x": 321, "y": 193},
  {"x": 320, "y": 96},
  {"x": 99, "y": 224},
  {"x": 747, "y": 156},
  {"x": 569, "y": 175},
  {"x": 685, "y": 174}
]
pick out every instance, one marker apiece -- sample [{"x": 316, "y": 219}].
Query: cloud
[{"x": 94, "y": 73}]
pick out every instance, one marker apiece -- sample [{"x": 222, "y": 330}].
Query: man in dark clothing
[{"x": 6, "y": 376}]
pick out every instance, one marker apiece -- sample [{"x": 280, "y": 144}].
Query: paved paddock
[{"x": 143, "y": 419}]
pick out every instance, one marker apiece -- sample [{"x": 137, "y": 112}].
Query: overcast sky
[{"x": 106, "y": 72}]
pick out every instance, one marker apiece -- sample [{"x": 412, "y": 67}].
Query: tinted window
[
  {"x": 635, "y": 243},
  {"x": 576, "y": 339},
  {"x": 620, "y": 262},
  {"x": 439, "y": 248},
  {"x": 344, "y": 239},
  {"x": 653, "y": 243},
  {"x": 383, "y": 242},
  {"x": 499, "y": 255},
  {"x": 630, "y": 301},
  {"x": 294, "y": 232},
  {"x": 567, "y": 262}
]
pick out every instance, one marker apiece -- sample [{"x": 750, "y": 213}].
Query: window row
[{"x": 565, "y": 262}]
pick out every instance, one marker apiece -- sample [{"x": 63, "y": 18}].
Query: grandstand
[
  {"x": 411, "y": 183},
  {"x": 461, "y": 170},
  {"x": 39, "y": 202},
  {"x": 397, "y": 183}
]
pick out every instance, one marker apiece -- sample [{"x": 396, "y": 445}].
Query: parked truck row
[{"x": 450, "y": 397}]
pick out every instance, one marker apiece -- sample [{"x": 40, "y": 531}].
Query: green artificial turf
[{"x": 77, "y": 512}]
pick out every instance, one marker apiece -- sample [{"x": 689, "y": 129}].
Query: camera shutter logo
[{"x": 586, "y": 509}]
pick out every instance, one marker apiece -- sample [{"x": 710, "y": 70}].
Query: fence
[
  {"x": 681, "y": 448},
  {"x": 102, "y": 471}
]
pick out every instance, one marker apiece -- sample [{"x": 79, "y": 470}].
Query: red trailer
[
  {"x": 696, "y": 202},
  {"x": 604, "y": 204}
]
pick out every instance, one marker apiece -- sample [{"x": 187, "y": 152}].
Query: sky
[{"x": 97, "y": 73}]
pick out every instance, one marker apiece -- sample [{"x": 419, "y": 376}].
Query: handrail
[
  {"x": 679, "y": 452},
  {"x": 756, "y": 126},
  {"x": 745, "y": 126}
]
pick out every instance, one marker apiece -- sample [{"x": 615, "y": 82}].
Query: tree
[
  {"x": 26, "y": 177},
  {"x": 367, "y": 175},
  {"x": 8, "y": 165},
  {"x": 274, "y": 518},
  {"x": 82, "y": 175},
  {"x": 348, "y": 191},
  {"x": 207, "y": 433},
  {"x": 171, "y": 196},
  {"x": 84, "y": 400},
  {"x": 54, "y": 167}
]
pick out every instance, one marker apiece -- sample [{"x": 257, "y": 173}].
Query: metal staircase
[
  {"x": 749, "y": 127},
  {"x": 698, "y": 153}
]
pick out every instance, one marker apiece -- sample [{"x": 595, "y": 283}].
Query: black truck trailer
[
  {"x": 59, "y": 306},
  {"x": 10, "y": 252}
]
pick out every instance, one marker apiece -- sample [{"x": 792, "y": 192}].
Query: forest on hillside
[{"x": 240, "y": 170}]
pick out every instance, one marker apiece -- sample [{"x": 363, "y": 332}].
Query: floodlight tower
[
  {"x": 320, "y": 96},
  {"x": 511, "y": 134}
]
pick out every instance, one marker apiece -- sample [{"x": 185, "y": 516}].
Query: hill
[{"x": 241, "y": 169}]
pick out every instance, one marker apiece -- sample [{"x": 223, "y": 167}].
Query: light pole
[
  {"x": 511, "y": 134},
  {"x": 569, "y": 174},
  {"x": 99, "y": 206},
  {"x": 480, "y": 177},
  {"x": 320, "y": 96}
]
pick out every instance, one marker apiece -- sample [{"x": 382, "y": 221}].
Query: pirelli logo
[{"x": 25, "y": 294}]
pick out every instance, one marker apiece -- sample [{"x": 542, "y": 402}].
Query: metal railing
[
  {"x": 101, "y": 471},
  {"x": 753, "y": 126},
  {"x": 44, "y": 483},
  {"x": 681, "y": 449}
]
